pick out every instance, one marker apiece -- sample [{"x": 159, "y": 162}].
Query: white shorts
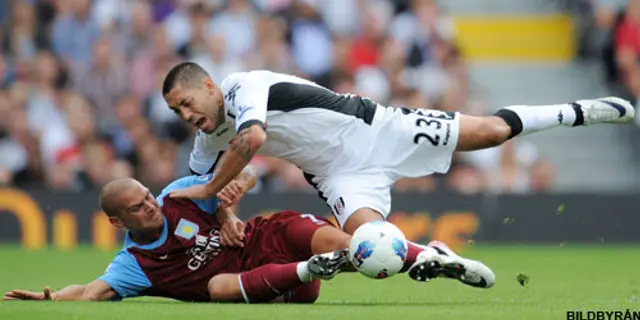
[{"x": 407, "y": 144}]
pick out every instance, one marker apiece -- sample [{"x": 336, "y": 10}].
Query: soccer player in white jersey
[{"x": 350, "y": 148}]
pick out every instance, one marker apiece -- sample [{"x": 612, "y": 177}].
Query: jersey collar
[{"x": 128, "y": 242}]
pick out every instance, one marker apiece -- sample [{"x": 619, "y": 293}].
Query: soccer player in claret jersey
[
  {"x": 350, "y": 148},
  {"x": 172, "y": 249}
]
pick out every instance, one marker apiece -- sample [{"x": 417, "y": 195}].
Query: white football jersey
[{"x": 316, "y": 129}]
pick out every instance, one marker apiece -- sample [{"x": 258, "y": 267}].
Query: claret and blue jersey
[{"x": 180, "y": 263}]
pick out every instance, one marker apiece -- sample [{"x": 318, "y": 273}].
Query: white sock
[
  {"x": 303, "y": 272},
  {"x": 536, "y": 118},
  {"x": 423, "y": 246}
]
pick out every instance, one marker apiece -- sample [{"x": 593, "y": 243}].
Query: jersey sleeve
[
  {"x": 208, "y": 205},
  {"x": 248, "y": 96},
  {"x": 206, "y": 154},
  {"x": 125, "y": 276}
]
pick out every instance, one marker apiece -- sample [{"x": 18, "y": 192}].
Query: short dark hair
[
  {"x": 181, "y": 74},
  {"x": 108, "y": 206},
  {"x": 111, "y": 191}
]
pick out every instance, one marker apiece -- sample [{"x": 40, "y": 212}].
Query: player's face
[
  {"x": 199, "y": 105},
  {"x": 140, "y": 210}
]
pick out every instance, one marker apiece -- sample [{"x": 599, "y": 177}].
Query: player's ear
[
  {"x": 116, "y": 222},
  {"x": 208, "y": 83}
]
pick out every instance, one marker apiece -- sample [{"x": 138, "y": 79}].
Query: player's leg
[
  {"x": 364, "y": 202},
  {"x": 358, "y": 198},
  {"x": 293, "y": 282},
  {"x": 318, "y": 247},
  {"x": 363, "y": 215},
  {"x": 259, "y": 285},
  {"x": 484, "y": 132},
  {"x": 309, "y": 234},
  {"x": 306, "y": 293},
  {"x": 439, "y": 261},
  {"x": 435, "y": 260},
  {"x": 300, "y": 236}
]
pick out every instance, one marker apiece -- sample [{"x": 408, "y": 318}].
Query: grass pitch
[{"x": 561, "y": 278}]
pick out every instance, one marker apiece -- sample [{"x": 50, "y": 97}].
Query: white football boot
[
  {"x": 604, "y": 110},
  {"x": 439, "y": 261},
  {"x": 325, "y": 266}
]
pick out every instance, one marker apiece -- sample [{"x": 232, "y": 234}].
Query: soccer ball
[{"x": 378, "y": 249}]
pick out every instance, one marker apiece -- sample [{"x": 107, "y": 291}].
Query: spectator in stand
[
  {"x": 92, "y": 71},
  {"x": 74, "y": 31},
  {"x": 627, "y": 48}
]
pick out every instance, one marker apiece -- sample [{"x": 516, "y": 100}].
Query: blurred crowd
[
  {"x": 80, "y": 83},
  {"x": 609, "y": 30}
]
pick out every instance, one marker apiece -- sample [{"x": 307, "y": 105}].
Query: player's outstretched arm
[
  {"x": 233, "y": 192},
  {"x": 232, "y": 228},
  {"x": 97, "y": 290},
  {"x": 242, "y": 148}
]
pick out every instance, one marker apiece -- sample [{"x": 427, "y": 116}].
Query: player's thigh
[
  {"x": 360, "y": 217},
  {"x": 329, "y": 238},
  {"x": 359, "y": 195},
  {"x": 417, "y": 143},
  {"x": 229, "y": 287},
  {"x": 303, "y": 235},
  {"x": 226, "y": 287}
]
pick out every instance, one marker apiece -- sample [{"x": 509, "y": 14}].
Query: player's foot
[
  {"x": 325, "y": 266},
  {"x": 606, "y": 110},
  {"x": 441, "y": 262}
]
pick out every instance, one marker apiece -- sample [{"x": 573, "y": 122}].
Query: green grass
[{"x": 561, "y": 278}]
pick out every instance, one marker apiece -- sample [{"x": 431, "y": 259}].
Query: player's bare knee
[
  {"x": 360, "y": 217},
  {"x": 493, "y": 131},
  {"x": 217, "y": 288},
  {"x": 339, "y": 241},
  {"x": 327, "y": 239},
  {"x": 224, "y": 288},
  {"x": 343, "y": 242}
]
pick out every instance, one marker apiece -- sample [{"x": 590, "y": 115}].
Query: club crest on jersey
[
  {"x": 186, "y": 229},
  {"x": 338, "y": 208}
]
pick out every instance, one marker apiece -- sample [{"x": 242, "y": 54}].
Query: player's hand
[
  {"x": 231, "y": 194},
  {"x": 232, "y": 232},
  {"x": 28, "y": 295},
  {"x": 197, "y": 192}
]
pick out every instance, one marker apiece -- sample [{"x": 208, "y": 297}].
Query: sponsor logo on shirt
[
  {"x": 205, "y": 248},
  {"x": 231, "y": 95}
]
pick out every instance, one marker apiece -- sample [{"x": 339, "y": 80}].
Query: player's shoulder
[
  {"x": 255, "y": 78},
  {"x": 232, "y": 80},
  {"x": 124, "y": 259},
  {"x": 181, "y": 183},
  {"x": 237, "y": 79}
]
